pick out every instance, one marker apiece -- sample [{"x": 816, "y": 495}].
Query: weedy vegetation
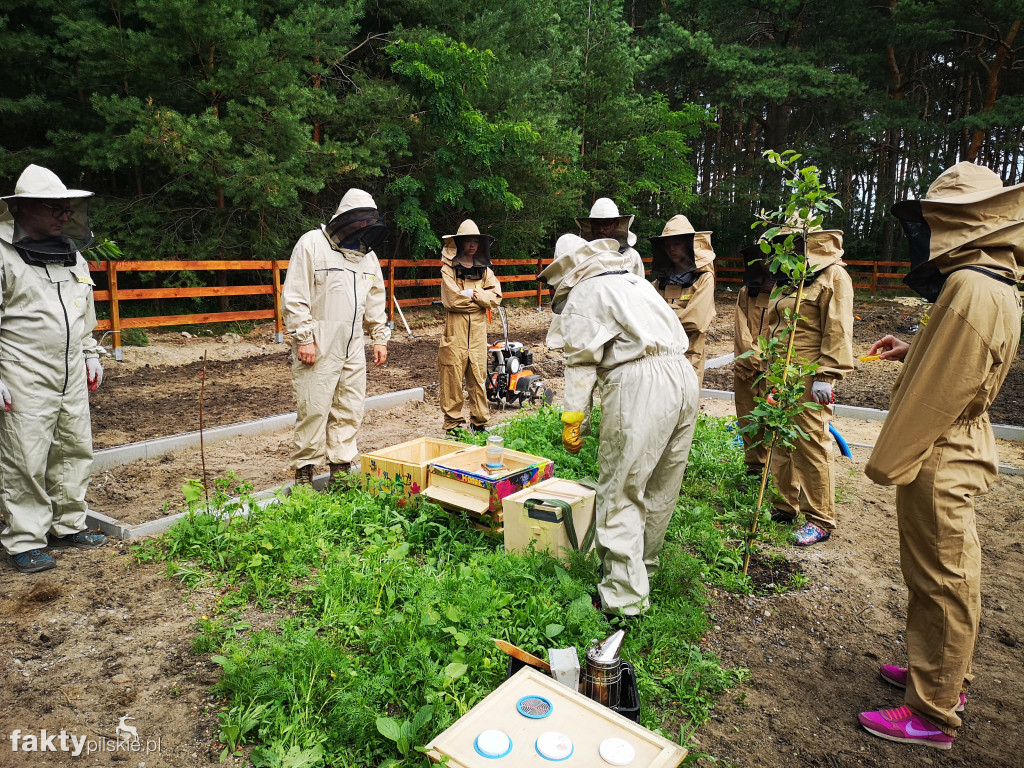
[{"x": 379, "y": 611}]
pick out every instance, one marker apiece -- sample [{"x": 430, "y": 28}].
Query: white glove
[
  {"x": 821, "y": 391},
  {"x": 5, "y": 393},
  {"x": 94, "y": 373},
  {"x": 468, "y": 293}
]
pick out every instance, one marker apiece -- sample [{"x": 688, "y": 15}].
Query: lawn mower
[{"x": 510, "y": 380}]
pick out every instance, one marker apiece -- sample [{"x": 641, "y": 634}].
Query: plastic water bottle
[{"x": 495, "y": 451}]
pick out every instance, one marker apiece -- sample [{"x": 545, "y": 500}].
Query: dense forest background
[{"x": 226, "y": 128}]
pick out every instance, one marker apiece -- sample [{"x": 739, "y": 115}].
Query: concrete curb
[
  {"x": 150, "y": 449},
  {"x": 115, "y": 529},
  {"x": 1003, "y": 431}
]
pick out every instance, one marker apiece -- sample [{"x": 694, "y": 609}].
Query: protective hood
[
  {"x": 40, "y": 183},
  {"x": 824, "y": 248},
  {"x": 697, "y": 257},
  {"x": 604, "y": 208},
  {"x": 356, "y": 225},
  {"x": 967, "y": 219},
  {"x": 575, "y": 261},
  {"x": 467, "y": 229}
]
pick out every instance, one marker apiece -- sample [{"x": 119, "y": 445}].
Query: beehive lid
[
  {"x": 449, "y": 497},
  {"x": 585, "y": 722},
  {"x": 554, "y": 488}
]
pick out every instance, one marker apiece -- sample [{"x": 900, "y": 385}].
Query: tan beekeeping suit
[
  {"x": 622, "y": 339},
  {"x": 750, "y": 314},
  {"x": 937, "y": 444},
  {"x": 47, "y": 316},
  {"x": 330, "y": 293},
  {"x": 805, "y": 475},
  {"x": 694, "y": 304},
  {"x": 463, "y": 351}
]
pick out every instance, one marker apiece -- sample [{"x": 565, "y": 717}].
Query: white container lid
[
  {"x": 617, "y": 751},
  {"x": 552, "y": 745},
  {"x": 493, "y": 743}
]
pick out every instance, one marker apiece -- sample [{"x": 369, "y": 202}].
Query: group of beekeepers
[{"x": 638, "y": 344}]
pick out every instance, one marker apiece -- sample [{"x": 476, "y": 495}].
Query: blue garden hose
[{"x": 844, "y": 447}]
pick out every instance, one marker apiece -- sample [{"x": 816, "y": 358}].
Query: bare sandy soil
[{"x": 102, "y": 637}]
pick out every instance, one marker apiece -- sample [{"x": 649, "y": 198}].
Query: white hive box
[{"x": 528, "y": 518}]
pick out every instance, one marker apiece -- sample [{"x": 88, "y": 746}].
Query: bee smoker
[{"x": 603, "y": 675}]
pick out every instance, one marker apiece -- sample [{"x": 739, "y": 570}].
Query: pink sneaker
[
  {"x": 903, "y": 726},
  {"x": 898, "y": 676}
]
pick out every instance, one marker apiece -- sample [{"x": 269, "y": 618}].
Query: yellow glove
[{"x": 571, "y": 439}]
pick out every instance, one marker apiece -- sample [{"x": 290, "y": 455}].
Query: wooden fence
[{"x": 873, "y": 276}]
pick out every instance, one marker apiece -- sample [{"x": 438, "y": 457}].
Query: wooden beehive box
[
  {"x": 527, "y": 518},
  {"x": 462, "y": 482},
  {"x": 585, "y": 722},
  {"x": 403, "y": 468}
]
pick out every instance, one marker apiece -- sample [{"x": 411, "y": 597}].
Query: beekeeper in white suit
[
  {"x": 48, "y": 361},
  {"x": 334, "y": 287},
  {"x": 621, "y": 338}
]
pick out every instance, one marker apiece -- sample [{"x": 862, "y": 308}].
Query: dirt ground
[{"x": 101, "y": 637}]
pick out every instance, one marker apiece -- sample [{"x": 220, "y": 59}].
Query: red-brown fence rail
[
  {"x": 400, "y": 276},
  {"x": 871, "y": 276}
]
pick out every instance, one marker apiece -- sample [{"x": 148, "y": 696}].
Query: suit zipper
[
  {"x": 355, "y": 309},
  {"x": 67, "y": 341}
]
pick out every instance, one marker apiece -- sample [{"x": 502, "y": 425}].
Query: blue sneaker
[
  {"x": 82, "y": 540},
  {"x": 33, "y": 561}
]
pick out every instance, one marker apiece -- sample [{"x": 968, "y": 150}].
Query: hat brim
[
  {"x": 67, "y": 194},
  {"x": 456, "y": 238}
]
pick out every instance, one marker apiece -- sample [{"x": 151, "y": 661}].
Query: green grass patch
[{"x": 385, "y": 610}]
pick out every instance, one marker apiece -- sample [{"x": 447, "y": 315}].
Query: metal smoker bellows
[{"x": 603, "y": 675}]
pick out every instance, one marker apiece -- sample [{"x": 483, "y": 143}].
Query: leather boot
[
  {"x": 304, "y": 475},
  {"x": 341, "y": 476}
]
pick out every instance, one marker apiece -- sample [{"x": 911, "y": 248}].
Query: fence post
[
  {"x": 278, "y": 318},
  {"x": 115, "y": 311},
  {"x": 874, "y": 279}
]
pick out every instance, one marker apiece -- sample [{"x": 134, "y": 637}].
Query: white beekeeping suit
[
  {"x": 621, "y": 338},
  {"x": 48, "y": 358},
  {"x": 334, "y": 287}
]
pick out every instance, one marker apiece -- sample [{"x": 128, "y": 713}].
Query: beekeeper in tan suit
[
  {"x": 684, "y": 276},
  {"x": 334, "y": 287},
  {"x": 468, "y": 289},
  {"x": 749, "y": 324},
  {"x": 936, "y": 445},
  {"x": 805, "y": 476},
  {"x": 48, "y": 362},
  {"x": 622, "y": 339},
  {"x": 603, "y": 222}
]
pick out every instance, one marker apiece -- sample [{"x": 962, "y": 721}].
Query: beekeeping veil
[
  {"x": 696, "y": 257},
  {"x": 38, "y": 183},
  {"x": 356, "y": 225},
  {"x": 604, "y": 208},
  {"x": 823, "y": 248},
  {"x": 453, "y": 247},
  {"x": 966, "y": 220}
]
